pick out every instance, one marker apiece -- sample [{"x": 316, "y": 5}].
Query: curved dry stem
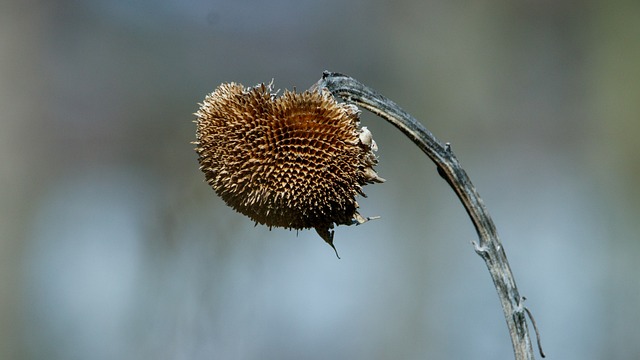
[{"x": 489, "y": 246}]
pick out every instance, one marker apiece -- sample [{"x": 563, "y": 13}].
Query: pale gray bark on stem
[{"x": 488, "y": 246}]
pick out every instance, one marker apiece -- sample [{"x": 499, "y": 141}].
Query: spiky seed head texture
[{"x": 294, "y": 161}]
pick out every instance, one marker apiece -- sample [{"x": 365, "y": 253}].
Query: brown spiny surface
[{"x": 295, "y": 161}]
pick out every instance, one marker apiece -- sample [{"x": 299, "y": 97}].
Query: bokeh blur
[{"x": 113, "y": 247}]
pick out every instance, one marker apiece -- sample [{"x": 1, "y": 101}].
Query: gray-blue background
[{"x": 113, "y": 247}]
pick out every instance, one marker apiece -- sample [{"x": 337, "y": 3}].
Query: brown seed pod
[{"x": 296, "y": 161}]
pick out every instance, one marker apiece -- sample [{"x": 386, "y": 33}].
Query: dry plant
[{"x": 299, "y": 160}]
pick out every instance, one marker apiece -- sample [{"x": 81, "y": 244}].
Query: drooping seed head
[{"x": 296, "y": 161}]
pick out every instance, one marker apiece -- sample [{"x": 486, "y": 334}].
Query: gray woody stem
[{"x": 489, "y": 246}]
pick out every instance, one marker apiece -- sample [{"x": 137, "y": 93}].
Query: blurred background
[{"x": 113, "y": 247}]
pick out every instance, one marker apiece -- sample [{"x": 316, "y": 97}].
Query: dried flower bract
[{"x": 295, "y": 161}]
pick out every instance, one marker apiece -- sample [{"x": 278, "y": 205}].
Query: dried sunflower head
[{"x": 295, "y": 161}]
